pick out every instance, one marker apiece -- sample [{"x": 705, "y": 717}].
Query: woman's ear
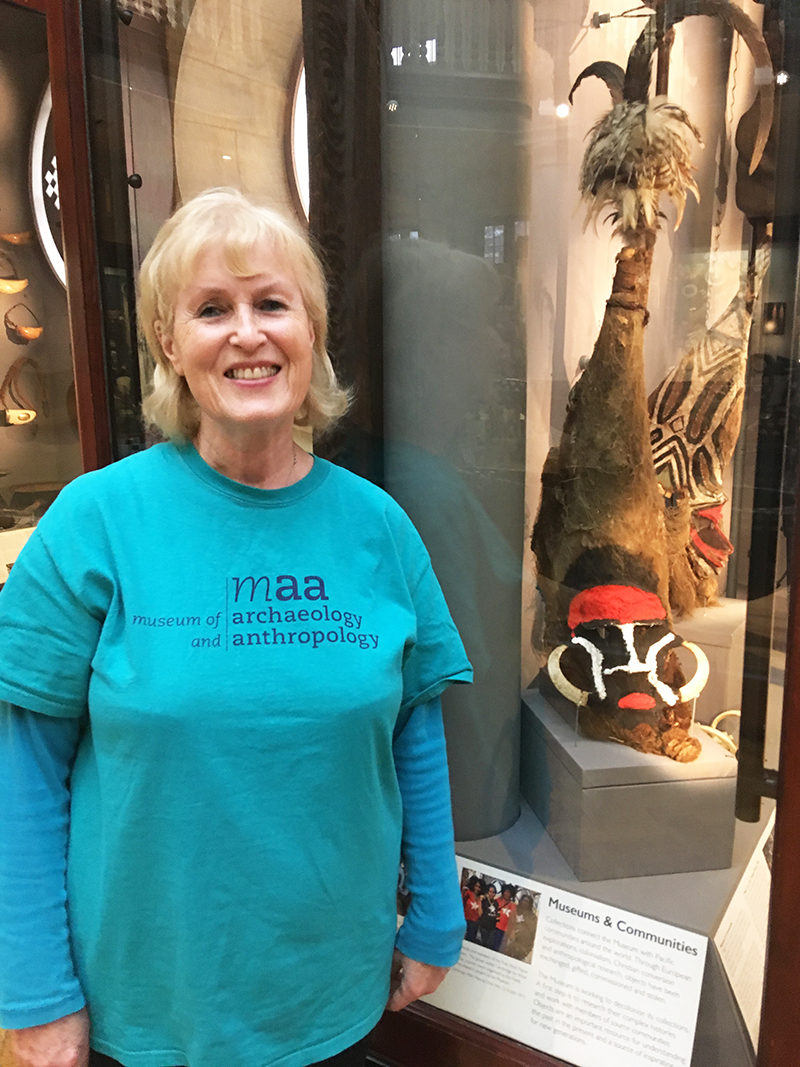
[{"x": 167, "y": 347}]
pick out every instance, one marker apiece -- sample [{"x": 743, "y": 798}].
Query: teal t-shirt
[{"x": 241, "y": 657}]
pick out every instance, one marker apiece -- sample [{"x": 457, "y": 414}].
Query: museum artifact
[
  {"x": 695, "y": 417},
  {"x": 15, "y": 407},
  {"x": 600, "y": 490},
  {"x": 10, "y": 281},
  {"x": 626, "y": 681},
  {"x": 22, "y": 333}
]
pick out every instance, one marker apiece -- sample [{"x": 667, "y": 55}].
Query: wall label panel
[
  {"x": 741, "y": 937},
  {"x": 577, "y": 979}
]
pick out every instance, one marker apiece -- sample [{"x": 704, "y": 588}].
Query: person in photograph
[
  {"x": 471, "y": 897},
  {"x": 508, "y": 908},
  {"x": 490, "y": 911},
  {"x": 521, "y": 931},
  {"x": 222, "y": 658}
]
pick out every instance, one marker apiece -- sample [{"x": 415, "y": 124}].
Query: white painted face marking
[
  {"x": 664, "y": 691},
  {"x": 634, "y": 665},
  {"x": 597, "y": 665},
  {"x": 650, "y": 665}
]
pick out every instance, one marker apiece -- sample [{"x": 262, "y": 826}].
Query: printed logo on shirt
[{"x": 265, "y": 611}]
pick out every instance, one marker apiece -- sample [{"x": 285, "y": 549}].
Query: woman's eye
[
  {"x": 271, "y": 305},
  {"x": 209, "y": 311}
]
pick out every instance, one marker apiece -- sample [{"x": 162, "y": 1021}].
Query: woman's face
[{"x": 244, "y": 345}]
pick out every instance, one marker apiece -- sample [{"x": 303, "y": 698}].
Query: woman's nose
[{"x": 246, "y": 331}]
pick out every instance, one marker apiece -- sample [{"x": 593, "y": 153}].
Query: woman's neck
[{"x": 264, "y": 459}]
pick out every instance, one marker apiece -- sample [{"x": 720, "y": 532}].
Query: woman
[
  {"x": 521, "y": 933},
  {"x": 490, "y": 912},
  {"x": 222, "y": 660},
  {"x": 471, "y": 896},
  {"x": 508, "y": 908}
]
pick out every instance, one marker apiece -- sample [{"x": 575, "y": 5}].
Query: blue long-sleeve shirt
[{"x": 37, "y": 973}]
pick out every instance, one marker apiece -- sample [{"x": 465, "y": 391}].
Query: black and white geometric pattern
[
  {"x": 694, "y": 412},
  {"x": 51, "y": 184}
]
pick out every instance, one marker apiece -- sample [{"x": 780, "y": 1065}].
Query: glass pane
[
  {"x": 210, "y": 93},
  {"x": 588, "y": 313},
  {"x": 39, "y": 445},
  {"x": 454, "y": 349},
  {"x": 185, "y": 96}
]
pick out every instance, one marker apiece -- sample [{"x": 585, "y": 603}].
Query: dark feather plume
[
  {"x": 636, "y": 88},
  {"x": 611, "y": 73},
  {"x": 637, "y": 76}
]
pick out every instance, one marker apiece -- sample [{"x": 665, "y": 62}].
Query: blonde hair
[{"x": 226, "y": 219}]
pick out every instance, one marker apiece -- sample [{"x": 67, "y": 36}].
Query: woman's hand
[
  {"x": 411, "y": 979},
  {"x": 62, "y": 1043}
]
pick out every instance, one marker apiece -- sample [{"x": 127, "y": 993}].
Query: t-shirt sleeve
[
  {"x": 52, "y": 609},
  {"x": 436, "y": 658}
]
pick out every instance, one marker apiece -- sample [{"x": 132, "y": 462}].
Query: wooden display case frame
[
  {"x": 347, "y": 95},
  {"x": 69, "y": 119}
]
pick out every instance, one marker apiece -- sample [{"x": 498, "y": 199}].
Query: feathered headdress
[
  {"x": 637, "y": 152},
  {"x": 642, "y": 148}
]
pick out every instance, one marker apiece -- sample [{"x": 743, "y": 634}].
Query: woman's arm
[
  {"x": 63, "y": 1043},
  {"x": 40, "y": 996},
  {"x": 429, "y": 941}
]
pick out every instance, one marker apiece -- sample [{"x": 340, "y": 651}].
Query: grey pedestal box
[
  {"x": 719, "y": 631},
  {"x": 617, "y": 813}
]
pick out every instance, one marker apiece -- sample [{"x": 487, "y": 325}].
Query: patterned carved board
[{"x": 696, "y": 411}]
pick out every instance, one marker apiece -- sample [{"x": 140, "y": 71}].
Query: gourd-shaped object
[
  {"x": 10, "y": 281},
  {"x": 25, "y": 333}
]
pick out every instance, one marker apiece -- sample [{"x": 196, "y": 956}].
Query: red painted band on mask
[{"x": 615, "y": 603}]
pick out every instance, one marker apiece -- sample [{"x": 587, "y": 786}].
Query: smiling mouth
[{"x": 250, "y": 373}]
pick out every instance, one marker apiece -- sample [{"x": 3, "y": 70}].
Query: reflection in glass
[{"x": 454, "y": 171}]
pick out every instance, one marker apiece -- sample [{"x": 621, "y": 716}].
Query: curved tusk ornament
[
  {"x": 562, "y": 683},
  {"x": 695, "y": 686}
]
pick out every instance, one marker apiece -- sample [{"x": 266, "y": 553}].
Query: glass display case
[
  {"x": 624, "y": 240},
  {"x": 563, "y": 251},
  {"x": 39, "y": 440},
  {"x": 600, "y": 362}
]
